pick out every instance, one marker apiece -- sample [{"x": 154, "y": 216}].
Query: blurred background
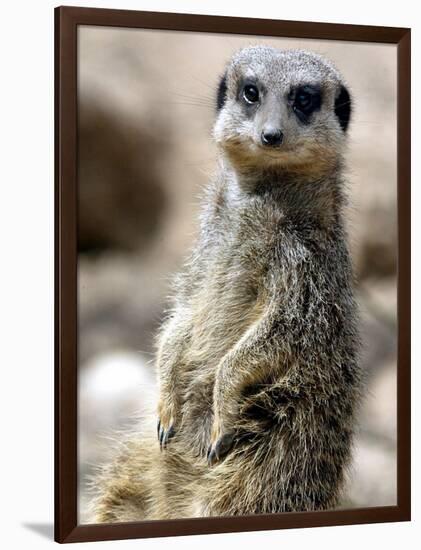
[{"x": 146, "y": 108}]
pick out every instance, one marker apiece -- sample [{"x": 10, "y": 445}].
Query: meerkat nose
[{"x": 272, "y": 137}]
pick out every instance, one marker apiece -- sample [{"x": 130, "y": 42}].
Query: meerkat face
[{"x": 281, "y": 108}]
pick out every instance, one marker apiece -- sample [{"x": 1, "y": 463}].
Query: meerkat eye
[
  {"x": 251, "y": 93},
  {"x": 305, "y": 100}
]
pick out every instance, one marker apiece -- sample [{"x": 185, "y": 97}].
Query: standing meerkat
[{"x": 258, "y": 359}]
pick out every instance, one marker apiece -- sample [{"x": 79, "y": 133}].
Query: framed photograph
[{"x": 232, "y": 274}]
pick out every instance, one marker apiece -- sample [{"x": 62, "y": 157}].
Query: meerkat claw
[
  {"x": 168, "y": 435},
  {"x": 220, "y": 448},
  {"x": 164, "y": 435}
]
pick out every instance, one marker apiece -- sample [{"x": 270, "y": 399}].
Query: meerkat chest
[{"x": 228, "y": 300}]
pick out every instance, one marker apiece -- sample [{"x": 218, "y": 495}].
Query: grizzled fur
[{"x": 258, "y": 359}]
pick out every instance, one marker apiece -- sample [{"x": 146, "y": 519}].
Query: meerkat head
[{"x": 286, "y": 109}]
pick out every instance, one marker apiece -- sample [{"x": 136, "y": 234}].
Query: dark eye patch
[{"x": 305, "y": 100}]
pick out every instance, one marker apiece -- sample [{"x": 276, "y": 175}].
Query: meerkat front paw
[
  {"x": 166, "y": 426},
  {"x": 221, "y": 444}
]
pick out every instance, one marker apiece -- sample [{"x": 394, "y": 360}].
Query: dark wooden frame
[{"x": 66, "y": 21}]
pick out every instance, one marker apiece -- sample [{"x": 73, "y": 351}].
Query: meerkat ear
[
  {"x": 343, "y": 108},
  {"x": 222, "y": 92}
]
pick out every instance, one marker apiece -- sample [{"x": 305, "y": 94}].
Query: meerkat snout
[{"x": 272, "y": 137}]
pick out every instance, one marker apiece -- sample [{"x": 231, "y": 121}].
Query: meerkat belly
[{"x": 223, "y": 308}]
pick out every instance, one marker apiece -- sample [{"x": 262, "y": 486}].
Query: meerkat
[{"x": 257, "y": 360}]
